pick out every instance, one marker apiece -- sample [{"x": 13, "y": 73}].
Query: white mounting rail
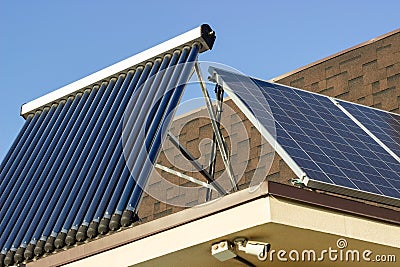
[{"x": 203, "y": 34}]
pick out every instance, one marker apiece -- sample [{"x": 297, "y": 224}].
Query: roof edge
[
  {"x": 265, "y": 190},
  {"x": 203, "y": 34},
  {"x": 336, "y": 202},
  {"x": 280, "y": 77}
]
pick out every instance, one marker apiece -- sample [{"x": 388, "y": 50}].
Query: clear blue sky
[{"x": 47, "y": 44}]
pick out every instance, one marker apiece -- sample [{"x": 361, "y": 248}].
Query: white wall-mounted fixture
[
  {"x": 223, "y": 250},
  {"x": 256, "y": 248},
  {"x": 226, "y": 250}
]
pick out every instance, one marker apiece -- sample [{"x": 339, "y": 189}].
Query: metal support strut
[
  {"x": 196, "y": 164},
  {"x": 213, "y": 157},
  {"x": 219, "y": 137},
  {"x": 184, "y": 176}
]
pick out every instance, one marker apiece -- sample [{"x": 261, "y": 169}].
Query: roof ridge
[{"x": 373, "y": 40}]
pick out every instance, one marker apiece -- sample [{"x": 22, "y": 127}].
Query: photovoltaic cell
[
  {"x": 327, "y": 145},
  {"x": 384, "y": 125}
]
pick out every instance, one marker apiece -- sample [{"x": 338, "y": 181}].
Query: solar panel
[
  {"x": 384, "y": 125},
  {"x": 320, "y": 142},
  {"x": 66, "y": 177}
]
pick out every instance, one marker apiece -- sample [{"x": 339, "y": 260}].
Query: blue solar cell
[
  {"x": 384, "y": 125},
  {"x": 325, "y": 142}
]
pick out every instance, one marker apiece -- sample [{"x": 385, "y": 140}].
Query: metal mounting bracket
[
  {"x": 219, "y": 137},
  {"x": 184, "y": 176},
  {"x": 219, "y": 94},
  {"x": 196, "y": 164}
]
